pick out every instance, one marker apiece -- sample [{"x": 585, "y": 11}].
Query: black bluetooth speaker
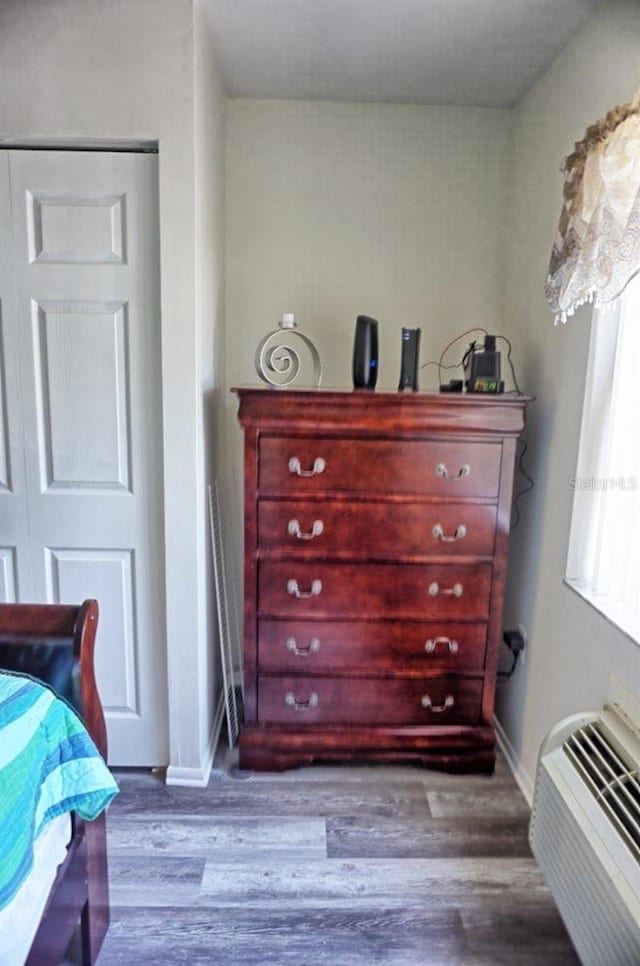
[
  {"x": 409, "y": 363},
  {"x": 365, "y": 353}
]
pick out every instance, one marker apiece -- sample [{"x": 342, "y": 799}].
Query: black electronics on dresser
[
  {"x": 482, "y": 367},
  {"x": 365, "y": 353},
  {"x": 409, "y": 362}
]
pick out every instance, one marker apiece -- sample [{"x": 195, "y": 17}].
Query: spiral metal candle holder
[{"x": 278, "y": 363}]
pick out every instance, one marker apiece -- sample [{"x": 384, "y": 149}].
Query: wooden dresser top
[{"x": 379, "y": 411}]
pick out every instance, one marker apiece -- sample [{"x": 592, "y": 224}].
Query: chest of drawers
[{"x": 376, "y": 530}]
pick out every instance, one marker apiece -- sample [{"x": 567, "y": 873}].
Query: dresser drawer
[
  {"x": 300, "y": 465},
  {"x": 359, "y": 529},
  {"x": 373, "y": 701},
  {"x": 302, "y": 588},
  {"x": 385, "y": 647}
]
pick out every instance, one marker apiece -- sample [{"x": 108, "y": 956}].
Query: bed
[{"x": 46, "y": 654}]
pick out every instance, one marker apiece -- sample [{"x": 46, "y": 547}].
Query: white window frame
[{"x": 603, "y": 563}]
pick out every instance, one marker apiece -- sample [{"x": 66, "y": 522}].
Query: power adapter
[{"x": 514, "y": 640}]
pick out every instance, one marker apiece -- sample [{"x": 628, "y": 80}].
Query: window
[{"x": 604, "y": 548}]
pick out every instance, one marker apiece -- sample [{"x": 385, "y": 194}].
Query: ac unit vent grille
[{"x": 613, "y": 782}]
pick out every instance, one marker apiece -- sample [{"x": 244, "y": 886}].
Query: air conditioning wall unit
[{"x": 585, "y": 833}]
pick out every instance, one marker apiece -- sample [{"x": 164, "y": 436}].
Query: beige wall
[
  {"x": 572, "y": 650},
  {"x": 338, "y": 209}
]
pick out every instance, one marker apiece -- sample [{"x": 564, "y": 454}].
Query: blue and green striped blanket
[{"x": 48, "y": 765}]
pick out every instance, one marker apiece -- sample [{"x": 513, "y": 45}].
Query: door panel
[
  {"x": 75, "y": 228},
  {"x": 82, "y": 276},
  {"x": 107, "y": 575},
  {"x": 80, "y": 353},
  {"x": 7, "y": 575}
]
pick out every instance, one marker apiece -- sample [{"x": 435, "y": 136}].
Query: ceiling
[{"x": 484, "y": 53}]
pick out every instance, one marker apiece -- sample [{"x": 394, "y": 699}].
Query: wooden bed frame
[{"x": 55, "y": 643}]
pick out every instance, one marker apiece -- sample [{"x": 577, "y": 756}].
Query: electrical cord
[
  {"x": 476, "y": 328},
  {"x": 515, "y": 639},
  {"x": 526, "y": 489},
  {"x": 452, "y": 343},
  {"x": 505, "y": 675},
  {"x": 509, "y": 360},
  {"x": 440, "y": 364}
]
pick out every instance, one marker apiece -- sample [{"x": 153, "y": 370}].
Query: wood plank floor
[{"x": 335, "y": 866}]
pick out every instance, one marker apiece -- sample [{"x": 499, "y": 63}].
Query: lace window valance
[{"x": 597, "y": 248}]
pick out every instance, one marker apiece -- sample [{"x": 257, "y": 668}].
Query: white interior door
[{"x": 80, "y": 428}]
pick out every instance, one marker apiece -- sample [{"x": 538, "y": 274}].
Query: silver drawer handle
[
  {"x": 294, "y": 590},
  {"x": 311, "y": 648},
  {"x": 438, "y": 708},
  {"x": 442, "y": 470},
  {"x": 296, "y": 467},
  {"x": 431, "y": 645},
  {"x": 293, "y": 702},
  {"x": 439, "y": 533},
  {"x": 435, "y": 590},
  {"x": 293, "y": 529}
]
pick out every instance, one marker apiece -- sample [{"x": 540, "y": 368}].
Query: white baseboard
[
  {"x": 198, "y": 777},
  {"x": 519, "y": 773}
]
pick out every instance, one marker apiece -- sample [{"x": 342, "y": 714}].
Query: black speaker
[
  {"x": 409, "y": 364},
  {"x": 365, "y": 353}
]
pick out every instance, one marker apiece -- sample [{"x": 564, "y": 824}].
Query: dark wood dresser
[{"x": 376, "y": 529}]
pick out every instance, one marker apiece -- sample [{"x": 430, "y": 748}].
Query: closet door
[{"x": 80, "y": 451}]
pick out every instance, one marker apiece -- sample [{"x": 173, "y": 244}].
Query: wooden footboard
[{"x": 55, "y": 644}]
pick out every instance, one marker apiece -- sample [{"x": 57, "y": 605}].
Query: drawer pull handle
[
  {"x": 291, "y": 701},
  {"x": 431, "y": 645},
  {"x": 294, "y": 590},
  {"x": 296, "y": 467},
  {"x": 442, "y": 470},
  {"x": 439, "y": 533},
  {"x": 435, "y": 590},
  {"x": 293, "y": 529},
  {"x": 438, "y": 708},
  {"x": 311, "y": 648}
]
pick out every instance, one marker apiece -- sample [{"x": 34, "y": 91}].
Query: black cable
[
  {"x": 513, "y": 371},
  {"x": 457, "y": 339},
  {"x": 433, "y": 362},
  {"x": 504, "y": 675},
  {"x": 440, "y": 364},
  {"x": 526, "y": 489},
  {"x": 440, "y": 367}
]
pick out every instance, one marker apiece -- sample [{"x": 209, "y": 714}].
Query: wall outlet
[
  {"x": 525, "y": 638},
  {"x": 515, "y": 639}
]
